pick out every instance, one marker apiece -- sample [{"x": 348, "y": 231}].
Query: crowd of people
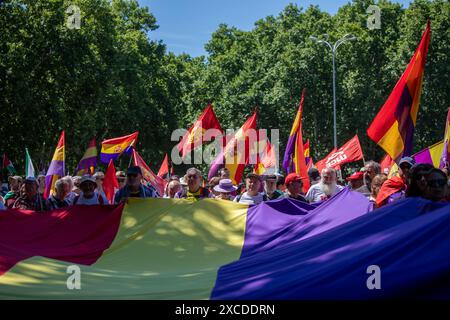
[{"x": 411, "y": 180}]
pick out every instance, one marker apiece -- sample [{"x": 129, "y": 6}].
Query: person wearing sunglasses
[
  {"x": 194, "y": 190},
  {"x": 436, "y": 185},
  {"x": 418, "y": 183},
  {"x": 134, "y": 187}
]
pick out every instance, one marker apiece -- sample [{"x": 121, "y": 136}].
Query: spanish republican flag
[
  {"x": 89, "y": 160},
  {"x": 113, "y": 148},
  {"x": 194, "y": 137},
  {"x": 56, "y": 169},
  {"x": 294, "y": 156},
  {"x": 393, "y": 127},
  {"x": 236, "y": 153}
]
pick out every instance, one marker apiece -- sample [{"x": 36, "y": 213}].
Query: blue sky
[{"x": 186, "y": 25}]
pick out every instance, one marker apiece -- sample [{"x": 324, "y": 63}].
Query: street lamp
[{"x": 347, "y": 37}]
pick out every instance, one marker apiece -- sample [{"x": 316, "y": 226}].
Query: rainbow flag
[
  {"x": 113, "y": 148},
  {"x": 294, "y": 155},
  {"x": 445, "y": 156},
  {"x": 56, "y": 169},
  {"x": 393, "y": 127},
  {"x": 89, "y": 160},
  {"x": 177, "y": 249}
]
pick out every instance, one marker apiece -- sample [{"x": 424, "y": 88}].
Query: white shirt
[
  {"x": 245, "y": 198},
  {"x": 315, "y": 194},
  {"x": 92, "y": 201}
]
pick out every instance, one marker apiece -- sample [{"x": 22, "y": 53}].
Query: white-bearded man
[{"x": 326, "y": 188}]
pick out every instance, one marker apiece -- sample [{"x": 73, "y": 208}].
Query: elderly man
[
  {"x": 121, "y": 179},
  {"x": 134, "y": 188},
  {"x": 194, "y": 190},
  {"x": 326, "y": 188},
  {"x": 294, "y": 186},
  {"x": 270, "y": 187},
  {"x": 88, "y": 195},
  {"x": 252, "y": 195},
  {"x": 371, "y": 169},
  {"x": 173, "y": 188},
  {"x": 58, "y": 199},
  {"x": 31, "y": 199}
]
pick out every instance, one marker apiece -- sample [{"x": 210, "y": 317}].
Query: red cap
[
  {"x": 291, "y": 177},
  {"x": 358, "y": 175}
]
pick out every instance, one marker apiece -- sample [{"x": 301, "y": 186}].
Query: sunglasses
[
  {"x": 437, "y": 183},
  {"x": 192, "y": 176}
]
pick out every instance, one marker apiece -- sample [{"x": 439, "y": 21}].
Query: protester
[
  {"x": 357, "y": 183},
  {"x": 214, "y": 181},
  {"x": 270, "y": 187},
  {"x": 121, "y": 178},
  {"x": 88, "y": 195},
  {"x": 31, "y": 199},
  {"x": 173, "y": 187},
  {"x": 194, "y": 190},
  {"x": 394, "y": 188},
  {"x": 58, "y": 199},
  {"x": 76, "y": 184},
  {"x": 377, "y": 182},
  {"x": 371, "y": 169},
  {"x": 294, "y": 186},
  {"x": 225, "y": 189},
  {"x": 99, "y": 177},
  {"x": 314, "y": 176},
  {"x": 418, "y": 183},
  {"x": 15, "y": 183},
  {"x": 437, "y": 185},
  {"x": 134, "y": 188},
  {"x": 252, "y": 195},
  {"x": 280, "y": 183},
  {"x": 326, "y": 188},
  {"x": 70, "y": 195},
  {"x": 2, "y": 205}
]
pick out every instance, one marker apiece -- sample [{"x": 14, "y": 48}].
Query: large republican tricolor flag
[{"x": 393, "y": 127}]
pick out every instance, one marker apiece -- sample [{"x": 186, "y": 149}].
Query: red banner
[{"x": 349, "y": 152}]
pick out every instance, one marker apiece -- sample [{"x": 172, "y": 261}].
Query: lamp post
[{"x": 334, "y": 47}]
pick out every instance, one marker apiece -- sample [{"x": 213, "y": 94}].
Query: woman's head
[
  {"x": 417, "y": 182},
  {"x": 376, "y": 184},
  {"x": 436, "y": 185}
]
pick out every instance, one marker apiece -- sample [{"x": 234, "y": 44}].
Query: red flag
[
  {"x": 157, "y": 182},
  {"x": 164, "y": 169},
  {"x": 321, "y": 163},
  {"x": 349, "y": 152},
  {"x": 110, "y": 184},
  {"x": 194, "y": 137}
]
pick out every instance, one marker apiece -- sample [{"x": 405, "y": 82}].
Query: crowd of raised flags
[{"x": 392, "y": 129}]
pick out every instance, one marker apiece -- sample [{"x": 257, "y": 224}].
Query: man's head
[
  {"x": 280, "y": 183},
  {"x": 329, "y": 181},
  {"x": 371, "y": 169},
  {"x": 61, "y": 188},
  {"x": 88, "y": 185},
  {"x": 194, "y": 179},
  {"x": 214, "y": 181},
  {"x": 270, "y": 183},
  {"x": 356, "y": 180},
  {"x": 294, "y": 184},
  {"x": 121, "y": 178},
  {"x": 253, "y": 182},
  {"x": 314, "y": 176},
  {"x": 134, "y": 177},
  {"x": 173, "y": 188},
  {"x": 31, "y": 187},
  {"x": 68, "y": 183},
  {"x": 405, "y": 166},
  {"x": 76, "y": 180}
]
